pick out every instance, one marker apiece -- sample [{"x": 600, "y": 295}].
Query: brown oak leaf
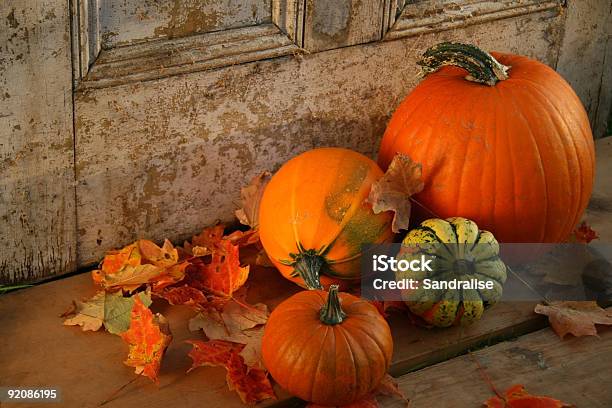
[
  {"x": 517, "y": 397},
  {"x": 392, "y": 192},
  {"x": 250, "y": 197},
  {"x": 577, "y": 318},
  {"x": 148, "y": 337},
  {"x": 251, "y": 384}
]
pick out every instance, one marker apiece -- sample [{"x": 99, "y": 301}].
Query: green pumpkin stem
[
  {"x": 332, "y": 312},
  {"x": 480, "y": 65},
  {"x": 308, "y": 265}
]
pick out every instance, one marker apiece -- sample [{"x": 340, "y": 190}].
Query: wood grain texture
[
  {"x": 164, "y": 158},
  {"x": 572, "y": 370},
  {"x": 35, "y": 334},
  {"x": 431, "y": 16},
  {"x": 37, "y": 211},
  {"x": 582, "y": 59},
  {"x": 163, "y": 58},
  {"x": 288, "y": 15},
  {"x": 339, "y": 23},
  {"x": 131, "y": 21},
  {"x": 600, "y": 207}
]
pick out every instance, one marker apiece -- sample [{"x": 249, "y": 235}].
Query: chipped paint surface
[
  {"x": 583, "y": 61},
  {"x": 164, "y": 158},
  {"x": 128, "y": 21},
  {"x": 339, "y": 23},
  {"x": 37, "y": 220}
]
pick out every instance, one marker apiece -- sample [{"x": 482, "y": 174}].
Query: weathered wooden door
[{"x": 178, "y": 103}]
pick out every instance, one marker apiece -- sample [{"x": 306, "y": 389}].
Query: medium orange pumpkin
[
  {"x": 328, "y": 349},
  {"x": 509, "y": 146},
  {"x": 314, "y": 217}
]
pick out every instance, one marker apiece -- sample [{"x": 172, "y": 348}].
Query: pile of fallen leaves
[{"x": 204, "y": 274}]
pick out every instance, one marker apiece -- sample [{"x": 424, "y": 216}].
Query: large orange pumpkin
[
  {"x": 328, "y": 351},
  {"x": 314, "y": 217},
  {"x": 509, "y": 146}
]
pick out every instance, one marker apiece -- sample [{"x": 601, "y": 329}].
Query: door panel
[
  {"x": 37, "y": 212},
  {"x": 167, "y": 156},
  {"x": 123, "y": 22}
]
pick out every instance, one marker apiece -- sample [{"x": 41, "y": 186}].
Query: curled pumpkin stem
[
  {"x": 332, "y": 312},
  {"x": 480, "y": 65},
  {"x": 308, "y": 265}
]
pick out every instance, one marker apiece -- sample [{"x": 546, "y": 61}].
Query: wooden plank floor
[
  {"x": 37, "y": 350},
  {"x": 576, "y": 371}
]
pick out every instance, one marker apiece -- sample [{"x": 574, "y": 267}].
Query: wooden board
[
  {"x": 38, "y": 350},
  {"x": 37, "y": 210},
  {"x": 574, "y": 370}
]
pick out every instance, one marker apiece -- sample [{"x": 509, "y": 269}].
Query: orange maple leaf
[
  {"x": 392, "y": 191},
  {"x": 577, "y": 318},
  {"x": 209, "y": 238},
  {"x": 142, "y": 262},
  {"x": 148, "y": 337},
  {"x": 221, "y": 274},
  {"x": 214, "y": 353},
  {"x": 517, "y": 397},
  {"x": 251, "y": 384}
]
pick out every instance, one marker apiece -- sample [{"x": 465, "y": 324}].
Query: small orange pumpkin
[
  {"x": 314, "y": 217},
  {"x": 509, "y": 146},
  {"x": 328, "y": 349}
]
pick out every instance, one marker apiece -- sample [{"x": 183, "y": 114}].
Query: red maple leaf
[
  {"x": 219, "y": 273},
  {"x": 251, "y": 384},
  {"x": 517, "y": 397},
  {"x": 148, "y": 337},
  {"x": 584, "y": 234},
  {"x": 183, "y": 295}
]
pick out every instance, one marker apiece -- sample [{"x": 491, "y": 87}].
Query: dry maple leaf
[
  {"x": 250, "y": 197},
  {"x": 238, "y": 323},
  {"x": 213, "y": 353},
  {"x": 142, "y": 262},
  {"x": 209, "y": 238},
  {"x": 584, "y": 234},
  {"x": 112, "y": 310},
  {"x": 163, "y": 257},
  {"x": 243, "y": 238},
  {"x": 577, "y": 318},
  {"x": 517, "y": 397},
  {"x": 183, "y": 295},
  {"x": 251, "y": 384},
  {"x": 392, "y": 192},
  {"x": 148, "y": 337},
  {"x": 220, "y": 275}
]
